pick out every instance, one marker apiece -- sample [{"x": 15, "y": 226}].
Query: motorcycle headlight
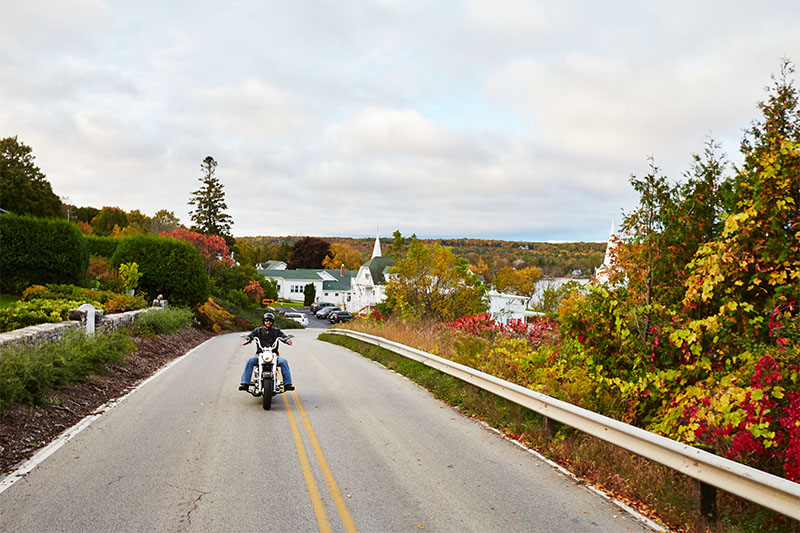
[{"x": 267, "y": 356}]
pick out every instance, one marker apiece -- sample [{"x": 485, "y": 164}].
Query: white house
[
  {"x": 329, "y": 285},
  {"x": 505, "y": 307},
  {"x": 292, "y": 283},
  {"x": 337, "y": 290}
]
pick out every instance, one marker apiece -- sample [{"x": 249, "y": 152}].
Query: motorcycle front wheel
[{"x": 266, "y": 398}]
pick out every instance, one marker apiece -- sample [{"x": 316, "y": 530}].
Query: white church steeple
[
  {"x": 376, "y": 250},
  {"x": 603, "y": 272}
]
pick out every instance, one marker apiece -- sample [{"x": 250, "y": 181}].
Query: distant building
[
  {"x": 292, "y": 283},
  {"x": 505, "y": 308},
  {"x": 368, "y": 287},
  {"x": 338, "y": 290},
  {"x": 271, "y": 265}
]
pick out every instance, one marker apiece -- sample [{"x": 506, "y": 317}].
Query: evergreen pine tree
[{"x": 209, "y": 215}]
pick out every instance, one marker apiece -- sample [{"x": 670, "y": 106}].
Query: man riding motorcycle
[{"x": 267, "y": 335}]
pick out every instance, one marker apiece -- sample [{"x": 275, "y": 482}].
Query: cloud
[
  {"x": 253, "y": 109},
  {"x": 390, "y": 132}
]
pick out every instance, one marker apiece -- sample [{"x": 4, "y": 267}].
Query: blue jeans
[{"x": 283, "y": 364}]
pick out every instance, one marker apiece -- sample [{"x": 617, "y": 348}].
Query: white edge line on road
[
  {"x": 627, "y": 508},
  {"x": 27, "y": 466}
]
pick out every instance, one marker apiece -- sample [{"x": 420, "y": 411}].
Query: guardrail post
[
  {"x": 549, "y": 426},
  {"x": 708, "y": 494}
]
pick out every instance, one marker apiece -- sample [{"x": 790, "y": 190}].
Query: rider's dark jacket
[{"x": 266, "y": 336}]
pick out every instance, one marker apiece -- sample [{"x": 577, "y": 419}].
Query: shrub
[
  {"x": 216, "y": 318},
  {"x": 168, "y": 266},
  {"x": 39, "y": 251},
  {"x": 29, "y": 373},
  {"x": 101, "y": 246},
  {"x": 40, "y": 304},
  {"x": 23, "y": 314},
  {"x": 254, "y": 291},
  {"x": 164, "y": 322},
  {"x": 71, "y": 292},
  {"x": 122, "y": 302},
  {"x": 99, "y": 268},
  {"x": 32, "y": 292},
  {"x": 239, "y": 298},
  {"x": 309, "y": 294}
]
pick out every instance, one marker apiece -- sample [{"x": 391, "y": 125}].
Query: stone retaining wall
[{"x": 53, "y": 331}]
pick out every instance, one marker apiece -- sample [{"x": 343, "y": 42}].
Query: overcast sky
[{"x": 505, "y": 119}]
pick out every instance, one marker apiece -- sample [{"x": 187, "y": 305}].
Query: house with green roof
[{"x": 329, "y": 285}]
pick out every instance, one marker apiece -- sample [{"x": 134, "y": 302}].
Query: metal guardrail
[{"x": 749, "y": 483}]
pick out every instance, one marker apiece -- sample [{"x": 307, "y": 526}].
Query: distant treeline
[{"x": 553, "y": 259}]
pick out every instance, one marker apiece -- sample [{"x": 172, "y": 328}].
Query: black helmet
[{"x": 270, "y": 317}]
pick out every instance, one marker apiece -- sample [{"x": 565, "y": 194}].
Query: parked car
[
  {"x": 299, "y": 317},
  {"x": 316, "y": 306},
  {"x": 323, "y": 313},
  {"x": 336, "y": 317}
]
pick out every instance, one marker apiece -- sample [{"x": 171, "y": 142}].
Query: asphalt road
[{"x": 355, "y": 447}]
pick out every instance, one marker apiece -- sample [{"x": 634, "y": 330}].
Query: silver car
[{"x": 299, "y": 317}]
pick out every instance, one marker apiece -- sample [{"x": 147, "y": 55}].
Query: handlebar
[{"x": 260, "y": 347}]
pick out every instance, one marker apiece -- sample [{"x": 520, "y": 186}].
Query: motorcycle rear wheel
[{"x": 266, "y": 398}]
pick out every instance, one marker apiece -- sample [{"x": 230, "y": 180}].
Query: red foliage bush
[{"x": 539, "y": 331}]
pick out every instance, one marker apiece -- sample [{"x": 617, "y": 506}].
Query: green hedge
[
  {"x": 168, "y": 266},
  {"x": 101, "y": 246},
  {"x": 39, "y": 251}
]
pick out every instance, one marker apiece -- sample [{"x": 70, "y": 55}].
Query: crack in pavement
[{"x": 195, "y": 504}]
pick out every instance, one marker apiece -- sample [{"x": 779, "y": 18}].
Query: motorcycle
[{"x": 266, "y": 381}]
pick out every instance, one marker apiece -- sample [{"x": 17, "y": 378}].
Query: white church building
[{"x": 368, "y": 287}]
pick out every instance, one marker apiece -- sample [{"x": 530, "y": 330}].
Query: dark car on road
[
  {"x": 316, "y": 306},
  {"x": 336, "y": 317},
  {"x": 323, "y": 313}
]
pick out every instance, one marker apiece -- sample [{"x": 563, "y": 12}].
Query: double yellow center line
[{"x": 316, "y": 500}]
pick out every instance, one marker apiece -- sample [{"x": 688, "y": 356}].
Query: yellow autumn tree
[
  {"x": 521, "y": 281},
  {"x": 434, "y": 283},
  {"x": 342, "y": 254}
]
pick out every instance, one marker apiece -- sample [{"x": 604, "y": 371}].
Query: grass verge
[{"x": 289, "y": 303}]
